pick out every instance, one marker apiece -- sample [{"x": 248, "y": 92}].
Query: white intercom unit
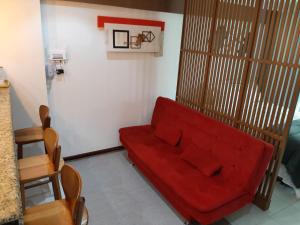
[{"x": 57, "y": 58}]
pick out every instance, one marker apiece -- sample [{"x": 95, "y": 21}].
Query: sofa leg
[
  {"x": 192, "y": 222},
  {"x": 130, "y": 162}
]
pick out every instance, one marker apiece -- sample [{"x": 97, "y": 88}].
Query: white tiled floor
[{"x": 117, "y": 194}]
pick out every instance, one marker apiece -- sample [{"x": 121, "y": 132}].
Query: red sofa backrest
[{"x": 243, "y": 157}]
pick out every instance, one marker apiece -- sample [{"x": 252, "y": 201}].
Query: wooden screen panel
[{"x": 240, "y": 65}]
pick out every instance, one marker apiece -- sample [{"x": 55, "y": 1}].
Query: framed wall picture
[
  {"x": 120, "y": 38},
  {"x": 132, "y": 34}
]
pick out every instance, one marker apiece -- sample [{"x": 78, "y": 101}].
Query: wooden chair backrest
[
  {"x": 44, "y": 116},
  {"x": 72, "y": 185},
  {"x": 51, "y": 145}
]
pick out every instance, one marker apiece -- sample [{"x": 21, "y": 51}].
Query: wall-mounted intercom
[{"x": 57, "y": 58}]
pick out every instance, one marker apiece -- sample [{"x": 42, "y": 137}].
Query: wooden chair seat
[
  {"x": 53, "y": 213},
  {"x": 29, "y": 135},
  {"x": 37, "y": 167}
]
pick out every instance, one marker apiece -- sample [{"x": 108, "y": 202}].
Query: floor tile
[
  {"x": 269, "y": 222},
  {"x": 288, "y": 216},
  {"x": 297, "y": 204}
]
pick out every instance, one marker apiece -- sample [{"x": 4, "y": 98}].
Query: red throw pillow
[
  {"x": 168, "y": 133},
  {"x": 201, "y": 159}
]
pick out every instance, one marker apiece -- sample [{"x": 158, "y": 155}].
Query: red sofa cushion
[
  {"x": 133, "y": 137},
  {"x": 168, "y": 133},
  {"x": 138, "y": 135},
  {"x": 201, "y": 159}
]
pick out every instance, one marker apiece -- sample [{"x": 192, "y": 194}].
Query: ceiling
[{"x": 173, "y": 6}]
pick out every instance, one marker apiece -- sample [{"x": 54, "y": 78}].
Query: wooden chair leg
[
  {"x": 56, "y": 188},
  {"x": 20, "y": 151},
  {"x": 22, "y": 189}
]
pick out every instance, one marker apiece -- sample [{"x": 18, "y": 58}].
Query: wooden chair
[
  {"x": 42, "y": 166},
  {"x": 32, "y": 134},
  {"x": 70, "y": 211}
]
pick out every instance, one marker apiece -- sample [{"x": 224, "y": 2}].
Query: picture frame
[{"x": 121, "y": 39}]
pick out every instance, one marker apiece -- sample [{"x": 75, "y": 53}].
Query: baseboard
[{"x": 93, "y": 153}]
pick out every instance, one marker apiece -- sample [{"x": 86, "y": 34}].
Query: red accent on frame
[{"x": 118, "y": 20}]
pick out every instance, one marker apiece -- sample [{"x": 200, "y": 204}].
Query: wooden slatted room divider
[{"x": 239, "y": 64}]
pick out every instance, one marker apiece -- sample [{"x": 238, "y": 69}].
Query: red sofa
[{"x": 231, "y": 164}]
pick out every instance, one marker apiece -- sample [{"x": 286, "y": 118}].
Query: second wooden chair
[{"x": 43, "y": 166}]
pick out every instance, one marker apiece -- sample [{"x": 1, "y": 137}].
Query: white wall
[
  {"x": 22, "y": 56},
  {"x": 102, "y": 92}
]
